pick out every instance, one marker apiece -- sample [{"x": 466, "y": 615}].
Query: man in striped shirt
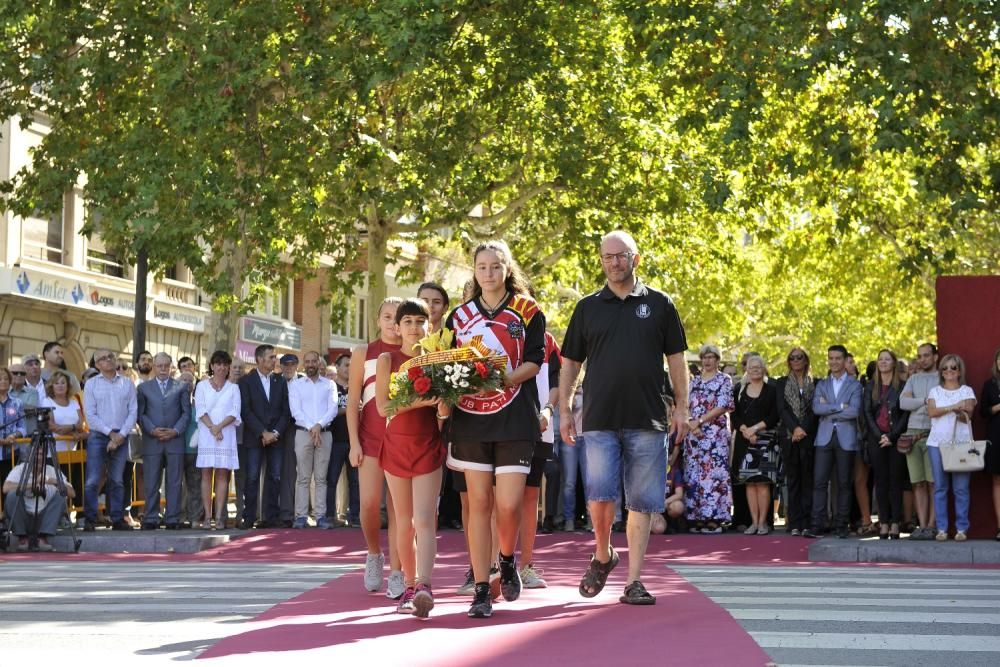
[{"x": 111, "y": 408}]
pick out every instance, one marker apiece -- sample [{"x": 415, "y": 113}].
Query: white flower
[{"x": 464, "y": 383}]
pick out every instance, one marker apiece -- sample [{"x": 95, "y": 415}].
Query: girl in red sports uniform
[
  {"x": 366, "y": 429},
  {"x": 412, "y": 456},
  {"x": 494, "y": 435}
]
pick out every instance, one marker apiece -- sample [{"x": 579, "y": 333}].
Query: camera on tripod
[
  {"x": 42, "y": 417},
  {"x": 32, "y": 488}
]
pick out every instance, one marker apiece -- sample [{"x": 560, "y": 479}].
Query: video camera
[{"x": 41, "y": 416}]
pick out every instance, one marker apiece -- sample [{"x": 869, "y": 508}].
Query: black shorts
[
  {"x": 537, "y": 469},
  {"x": 458, "y": 481},
  {"x": 508, "y": 456},
  {"x": 544, "y": 450}
]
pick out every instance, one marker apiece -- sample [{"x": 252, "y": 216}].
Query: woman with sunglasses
[
  {"x": 991, "y": 413},
  {"x": 796, "y": 432},
  {"x": 950, "y": 405}
]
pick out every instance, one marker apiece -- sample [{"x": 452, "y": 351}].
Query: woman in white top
[
  {"x": 67, "y": 414},
  {"x": 950, "y": 405},
  {"x": 217, "y": 408}
]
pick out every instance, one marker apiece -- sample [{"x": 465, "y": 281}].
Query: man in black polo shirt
[{"x": 623, "y": 333}]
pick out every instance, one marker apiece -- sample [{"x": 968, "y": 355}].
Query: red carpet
[{"x": 340, "y": 621}]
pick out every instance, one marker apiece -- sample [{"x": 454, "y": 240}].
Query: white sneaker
[
  {"x": 397, "y": 585},
  {"x": 532, "y": 578},
  {"x": 374, "y": 564}
]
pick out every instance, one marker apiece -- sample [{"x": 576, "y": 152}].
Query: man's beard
[{"x": 144, "y": 370}]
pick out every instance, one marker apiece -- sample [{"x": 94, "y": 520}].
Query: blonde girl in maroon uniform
[{"x": 366, "y": 429}]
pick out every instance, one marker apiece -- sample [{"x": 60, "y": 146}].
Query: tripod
[{"x": 33, "y": 480}]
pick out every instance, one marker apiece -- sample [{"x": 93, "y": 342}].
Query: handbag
[
  {"x": 135, "y": 447},
  {"x": 904, "y": 445},
  {"x": 761, "y": 459},
  {"x": 962, "y": 455}
]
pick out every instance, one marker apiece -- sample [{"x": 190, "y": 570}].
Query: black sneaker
[
  {"x": 121, "y": 525},
  {"x": 843, "y": 532},
  {"x": 810, "y": 533},
  {"x": 494, "y": 582},
  {"x": 482, "y": 605},
  {"x": 510, "y": 580},
  {"x": 547, "y": 526}
]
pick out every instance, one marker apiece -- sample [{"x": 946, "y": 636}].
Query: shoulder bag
[{"x": 962, "y": 455}]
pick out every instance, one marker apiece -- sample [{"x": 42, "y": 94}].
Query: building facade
[
  {"x": 58, "y": 285},
  {"x": 55, "y": 284}
]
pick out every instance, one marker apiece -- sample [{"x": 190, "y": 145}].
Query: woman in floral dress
[{"x": 706, "y": 448}]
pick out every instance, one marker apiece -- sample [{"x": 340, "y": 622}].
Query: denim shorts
[{"x": 642, "y": 456}]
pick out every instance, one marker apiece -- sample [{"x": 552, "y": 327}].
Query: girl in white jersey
[{"x": 494, "y": 435}]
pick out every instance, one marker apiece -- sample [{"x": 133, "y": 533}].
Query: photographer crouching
[{"x": 33, "y": 502}]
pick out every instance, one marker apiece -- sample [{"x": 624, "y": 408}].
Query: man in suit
[
  {"x": 837, "y": 404},
  {"x": 265, "y": 417},
  {"x": 164, "y": 412}
]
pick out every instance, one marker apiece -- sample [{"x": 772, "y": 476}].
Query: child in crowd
[{"x": 672, "y": 520}]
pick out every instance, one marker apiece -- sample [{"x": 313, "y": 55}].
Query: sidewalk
[
  {"x": 929, "y": 552},
  {"x": 776, "y": 548}
]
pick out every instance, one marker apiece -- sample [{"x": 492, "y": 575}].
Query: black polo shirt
[{"x": 623, "y": 342}]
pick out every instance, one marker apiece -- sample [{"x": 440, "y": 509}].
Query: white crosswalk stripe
[
  {"x": 115, "y": 608},
  {"x": 872, "y": 616}
]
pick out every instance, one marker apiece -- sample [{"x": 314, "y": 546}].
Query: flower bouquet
[{"x": 445, "y": 372}]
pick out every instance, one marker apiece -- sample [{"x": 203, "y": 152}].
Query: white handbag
[{"x": 962, "y": 455}]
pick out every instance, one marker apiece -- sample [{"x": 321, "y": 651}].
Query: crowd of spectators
[
  {"x": 825, "y": 454},
  {"x": 813, "y": 449}
]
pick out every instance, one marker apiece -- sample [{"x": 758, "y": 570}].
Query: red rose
[
  {"x": 414, "y": 372},
  {"x": 481, "y": 369},
  {"x": 422, "y": 385}
]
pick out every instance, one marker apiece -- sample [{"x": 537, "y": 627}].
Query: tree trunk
[
  {"x": 227, "y": 322},
  {"x": 139, "y": 321},
  {"x": 378, "y": 241}
]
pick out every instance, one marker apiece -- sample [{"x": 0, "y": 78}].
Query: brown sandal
[
  {"x": 636, "y": 593},
  {"x": 597, "y": 575}
]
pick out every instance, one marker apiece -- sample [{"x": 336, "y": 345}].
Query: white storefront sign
[
  {"x": 82, "y": 293},
  {"x": 178, "y": 316}
]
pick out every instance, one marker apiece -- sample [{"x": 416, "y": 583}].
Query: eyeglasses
[
  {"x": 18, "y": 373},
  {"x": 32, "y": 362},
  {"x": 106, "y": 357},
  {"x": 949, "y": 368},
  {"x": 618, "y": 257},
  {"x": 796, "y": 357}
]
